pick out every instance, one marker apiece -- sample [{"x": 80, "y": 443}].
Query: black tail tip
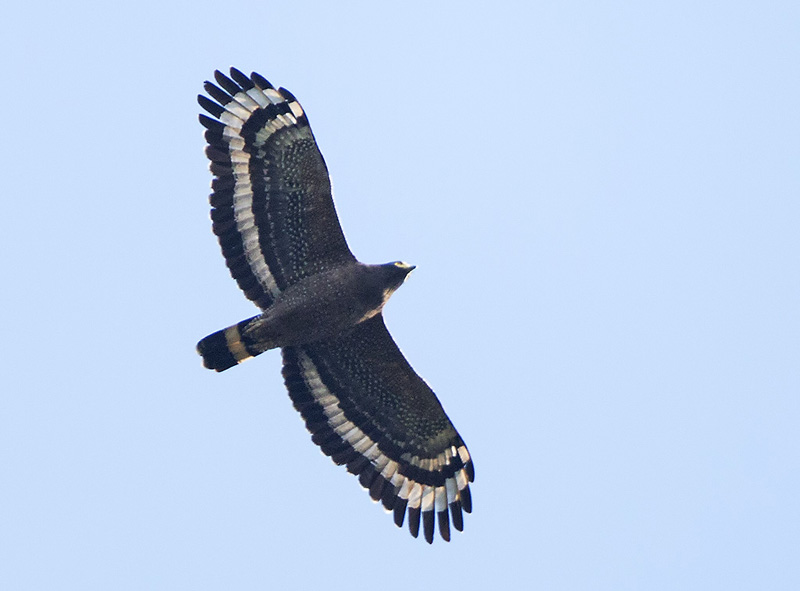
[{"x": 215, "y": 352}]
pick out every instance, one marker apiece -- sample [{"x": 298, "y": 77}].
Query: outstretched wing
[
  {"x": 367, "y": 408},
  {"x": 272, "y": 207}
]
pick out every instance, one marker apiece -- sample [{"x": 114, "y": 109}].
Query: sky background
[{"x": 603, "y": 202}]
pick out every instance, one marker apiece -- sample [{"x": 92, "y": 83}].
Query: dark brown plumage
[{"x": 364, "y": 405}]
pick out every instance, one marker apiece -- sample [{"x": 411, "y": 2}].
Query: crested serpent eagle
[{"x": 273, "y": 213}]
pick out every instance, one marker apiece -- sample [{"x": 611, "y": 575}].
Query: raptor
[{"x": 365, "y": 407}]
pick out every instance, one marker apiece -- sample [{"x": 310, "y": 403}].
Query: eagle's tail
[{"x": 229, "y": 346}]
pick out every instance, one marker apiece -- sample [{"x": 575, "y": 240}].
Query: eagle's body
[
  {"x": 273, "y": 213},
  {"x": 317, "y": 307}
]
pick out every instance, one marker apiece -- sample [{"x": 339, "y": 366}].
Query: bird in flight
[{"x": 272, "y": 211}]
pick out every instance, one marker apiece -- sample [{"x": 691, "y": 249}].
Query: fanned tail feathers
[{"x": 228, "y": 347}]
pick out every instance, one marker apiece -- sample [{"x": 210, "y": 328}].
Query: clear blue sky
[{"x": 603, "y": 202}]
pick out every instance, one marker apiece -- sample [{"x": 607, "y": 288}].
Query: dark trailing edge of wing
[
  {"x": 211, "y": 124},
  {"x": 262, "y": 82},
  {"x": 241, "y": 79},
  {"x": 229, "y": 85},
  {"x": 210, "y": 105},
  {"x": 219, "y": 95},
  {"x": 272, "y": 208},
  {"x": 329, "y": 394}
]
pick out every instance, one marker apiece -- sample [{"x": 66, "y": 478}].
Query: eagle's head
[
  {"x": 397, "y": 272},
  {"x": 392, "y": 276}
]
